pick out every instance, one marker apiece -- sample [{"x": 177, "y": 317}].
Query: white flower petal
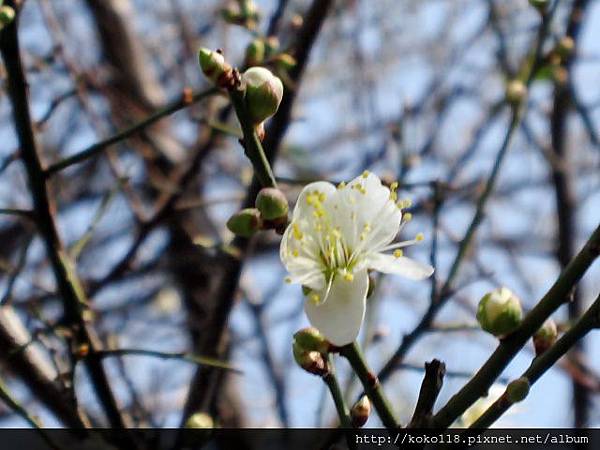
[
  {"x": 298, "y": 258},
  {"x": 340, "y": 317},
  {"x": 365, "y": 214},
  {"x": 303, "y": 210},
  {"x": 404, "y": 266}
]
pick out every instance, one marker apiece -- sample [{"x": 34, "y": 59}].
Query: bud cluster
[
  {"x": 270, "y": 212},
  {"x": 263, "y": 51},
  {"x": 241, "y": 12}
]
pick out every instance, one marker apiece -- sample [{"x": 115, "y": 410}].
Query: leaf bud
[
  {"x": 360, "y": 411},
  {"x": 245, "y": 222},
  {"x": 517, "y": 390},
  {"x": 545, "y": 337}
]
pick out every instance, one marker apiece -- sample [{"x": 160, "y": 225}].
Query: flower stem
[
  {"x": 251, "y": 143},
  {"x": 371, "y": 385},
  {"x": 336, "y": 393}
]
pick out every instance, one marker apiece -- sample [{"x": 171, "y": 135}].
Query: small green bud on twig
[
  {"x": 7, "y": 15},
  {"x": 264, "y": 92},
  {"x": 310, "y": 339},
  {"x": 245, "y": 222},
  {"x": 285, "y": 61},
  {"x": 517, "y": 390},
  {"x": 564, "y": 47},
  {"x": 271, "y": 46},
  {"x": 200, "y": 420},
  {"x": 516, "y": 91},
  {"x": 272, "y": 204},
  {"x": 360, "y": 411},
  {"x": 242, "y": 12},
  {"x": 311, "y": 361},
  {"x": 545, "y": 337},
  {"x": 213, "y": 65},
  {"x": 540, "y": 5},
  {"x": 255, "y": 52},
  {"x": 499, "y": 312}
]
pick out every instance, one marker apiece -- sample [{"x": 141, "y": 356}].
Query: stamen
[
  {"x": 419, "y": 237},
  {"x": 398, "y": 253}
]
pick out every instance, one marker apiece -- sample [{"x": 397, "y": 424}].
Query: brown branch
[{"x": 69, "y": 285}]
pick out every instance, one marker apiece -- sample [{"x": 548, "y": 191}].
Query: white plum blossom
[{"x": 334, "y": 237}]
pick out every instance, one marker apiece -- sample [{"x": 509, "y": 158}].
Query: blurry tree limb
[
  {"x": 93, "y": 150},
  {"x": 29, "y": 365},
  {"x": 67, "y": 280}
]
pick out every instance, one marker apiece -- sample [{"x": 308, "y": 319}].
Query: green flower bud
[
  {"x": 545, "y": 337},
  {"x": 271, "y": 45},
  {"x": 309, "y": 339},
  {"x": 200, "y": 420},
  {"x": 311, "y": 361},
  {"x": 213, "y": 64},
  {"x": 516, "y": 91},
  {"x": 565, "y": 47},
  {"x": 499, "y": 312},
  {"x": 264, "y": 92},
  {"x": 285, "y": 61},
  {"x": 245, "y": 222},
  {"x": 7, "y": 15},
  {"x": 244, "y": 13},
  {"x": 271, "y": 203},
  {"x": 255, "y": 52},
  {"x": 517, "y": 390},
  {"x": 360, "y": 411},
  {"x": 540, "y": 5}
]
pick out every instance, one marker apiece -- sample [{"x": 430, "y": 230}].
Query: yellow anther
[
  {"x": 336, "y": 233},
  {"x": 314, "y": 297},
  {"x": 365, "y": 174},
  {"x": 394, "y": 186},
  {"x": 342, "y": 185},
  {"x": 393, "y": 196},
  {"x": 295, "y": 252},
  {"x": 288, "y": 280},
  {"x": 407, "y": 203},
  {"x": 367, "y": 227},
  {"x": 398, "y": 253},
  {"x": 348, "y": 276},
  {"x": 407, "y": 217},
  {"x": 419, "y": 237},
  {"x": 322, "y": 197},
  {"x": 296, "y": 232}
]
